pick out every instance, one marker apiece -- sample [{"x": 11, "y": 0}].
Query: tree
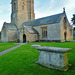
[
  {"x": 73, "y": 19},
  {"x": 74, "y": 28}
]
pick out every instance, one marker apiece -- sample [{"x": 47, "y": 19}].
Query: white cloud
[
  {"x": 70, "y": 8},
  {"x": 46, "y": 9},
  {"x": 5, "y": 11},
  {"x": 55, "y": 7},
  {"x": 52, "y": 2}
]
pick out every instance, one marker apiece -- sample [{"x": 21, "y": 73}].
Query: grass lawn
[
  {"x": 4, "y": 46},
  {"x": 73, "y": 38},
  {"x": 21, "y": 61}
]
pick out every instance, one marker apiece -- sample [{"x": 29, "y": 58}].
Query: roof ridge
[
  {"x": 43, "y": 21},
  {"x": 44, "y": 17}
]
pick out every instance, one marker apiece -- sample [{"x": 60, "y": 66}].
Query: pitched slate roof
[
  {"x": 30, "y": 29},
  {"x": 10, "y": 26},
  {"x": 43, "y": 21}
]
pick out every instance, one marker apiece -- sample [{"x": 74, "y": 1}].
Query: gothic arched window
[
  {"x": 23, "y": 6},
  {"x": 43, "y": 32}
]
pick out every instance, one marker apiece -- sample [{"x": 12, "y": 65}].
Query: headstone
[{"x": 35, "y": 46}]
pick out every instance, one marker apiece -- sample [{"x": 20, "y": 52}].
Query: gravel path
[{"x": 3, "y": 52}]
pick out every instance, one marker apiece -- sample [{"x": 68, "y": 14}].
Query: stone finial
[{"x": 63, "y": 9}]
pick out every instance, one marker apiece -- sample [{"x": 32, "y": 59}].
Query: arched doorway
[
  {"x": 65, "y": 36},
  {"x": 24, "y": 38}
]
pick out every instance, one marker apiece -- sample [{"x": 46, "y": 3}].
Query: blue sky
[{"x": 42, "y": 8}]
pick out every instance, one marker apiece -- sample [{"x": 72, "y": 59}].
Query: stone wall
[
  {"x": 53, "y": 32},
  {"x": 33, "y": 37},
  {"x": 30, "y": 37},
  {"x": 24, "y": 11},
  {"x": 56, "y": 32},
  {"x": 12, "y": 35},
  {"x": 4, "y": 35},
  {"x": 20, "y": 34},
  {"x": 68, "y": 31}
]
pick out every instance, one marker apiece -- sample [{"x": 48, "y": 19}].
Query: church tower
[{"x": 22, "y": 10}]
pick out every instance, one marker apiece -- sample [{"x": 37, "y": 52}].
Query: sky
[{"x": 42, "y": 8}]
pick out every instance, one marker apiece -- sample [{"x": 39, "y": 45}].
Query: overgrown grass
[
  {"x": 21, "y": 61},
  {"x": 4, "y": 46}
]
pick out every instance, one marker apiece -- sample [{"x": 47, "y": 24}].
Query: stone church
[{"x": 25, "y": 28}]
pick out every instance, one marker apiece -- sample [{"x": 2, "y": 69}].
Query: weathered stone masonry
[{"x": 53, "y": 57}]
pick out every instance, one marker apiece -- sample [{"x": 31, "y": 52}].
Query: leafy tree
[{"x": 73, "y": 19}]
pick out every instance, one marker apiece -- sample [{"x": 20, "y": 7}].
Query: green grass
[
  {"x": 4, "y": 46},
  {"x": 21, "y": 61},
  {"x": 73, "y": 38}
]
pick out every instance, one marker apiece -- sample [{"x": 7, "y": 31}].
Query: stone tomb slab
[{"x": 54, "y": 57}]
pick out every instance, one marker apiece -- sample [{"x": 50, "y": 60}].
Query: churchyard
[
  {"x": 4, "y": 46},
  {"x": 21, "y": 61}
]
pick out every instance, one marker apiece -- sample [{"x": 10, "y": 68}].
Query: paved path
[
  {"x": 73, "y": 40},
  {"x": 3, "y": 52}
]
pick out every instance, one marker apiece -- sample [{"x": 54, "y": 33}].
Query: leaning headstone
[
  {"x": 35, "y": 46},
  {"x": 54, "y": 57}
]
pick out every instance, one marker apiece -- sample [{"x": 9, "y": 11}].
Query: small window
[
  {"x": 46, "y": 32},
  {"x": 65, "y": 27},
  {"x": 43, "y": 32},
  {"x": 22, "y": 7}
]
